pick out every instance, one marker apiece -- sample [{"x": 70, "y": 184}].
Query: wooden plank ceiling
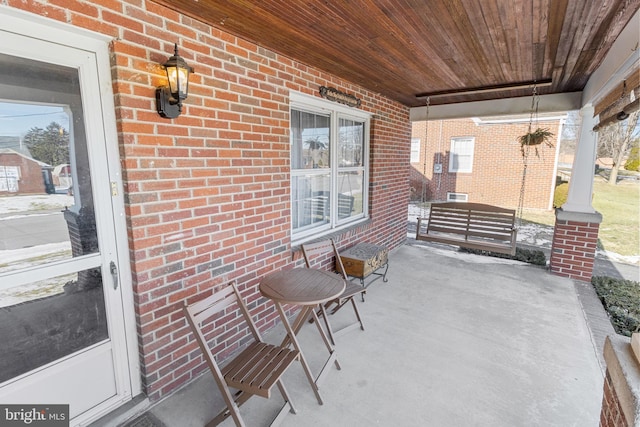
[{"x": 406, "y": 48}]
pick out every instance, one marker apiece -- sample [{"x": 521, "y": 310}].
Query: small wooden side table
[
  {"x": 364, "y": 260},
  {"x": 308, "y": 288}
]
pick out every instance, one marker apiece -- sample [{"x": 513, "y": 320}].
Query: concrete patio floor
[{"x": 452, "y": 339}]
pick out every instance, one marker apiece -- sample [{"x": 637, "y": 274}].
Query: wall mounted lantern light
[
  {"x": 622, "y": 115},
  {"x": 169, "y": 98}
]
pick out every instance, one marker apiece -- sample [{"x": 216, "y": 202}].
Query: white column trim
[{"x": 581, "y": 182}]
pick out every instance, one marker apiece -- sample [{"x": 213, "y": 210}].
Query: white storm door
[{"x": 61, "y": 305}]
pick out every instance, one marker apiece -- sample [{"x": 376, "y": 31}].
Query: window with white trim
[
  {"x": 329, "y": 166},
  {"x": 461, "y": 154},
  {"x": 415, "y": 150},
  {"x": 457, "y": 197}
]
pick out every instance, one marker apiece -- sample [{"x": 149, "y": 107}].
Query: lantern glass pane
[{"x": 178, "y": 80}]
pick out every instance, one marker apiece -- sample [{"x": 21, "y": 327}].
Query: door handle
[{"x": 114, "y": 274}]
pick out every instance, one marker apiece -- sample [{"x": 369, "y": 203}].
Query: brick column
[
  {"x": 575, "y": 239},
  {"x": 621, "y": 391},
  {"x": 84, "y": 240}
]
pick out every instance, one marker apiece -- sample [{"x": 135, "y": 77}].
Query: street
[{"x": 27, "y": 231}]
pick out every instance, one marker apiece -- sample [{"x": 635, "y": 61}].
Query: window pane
[
  {"x": 311, "y": 198},
  {"x": 461, "y": 156},
  {"x": 415, "y": 150},
  {"x": 461, "y": 163},
  {"x": 309, "y": 140},
  {"x": 350, "y": 143},
  {"x": 350, "y": 191}
]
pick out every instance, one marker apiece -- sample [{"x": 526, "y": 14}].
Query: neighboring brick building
[
  {"x": 20, "y": 174},
  {"x": 492, "y": 172}
]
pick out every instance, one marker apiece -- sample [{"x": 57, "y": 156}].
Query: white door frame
[{"x": 37, "y": 27}]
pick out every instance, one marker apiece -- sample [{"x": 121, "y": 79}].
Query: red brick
[{"x": 217, "y": 177}]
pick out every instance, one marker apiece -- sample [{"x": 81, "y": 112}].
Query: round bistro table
[{"x": 308, "y": 288}]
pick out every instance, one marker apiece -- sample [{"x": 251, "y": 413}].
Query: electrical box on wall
[{"x": 437, "y": 168}]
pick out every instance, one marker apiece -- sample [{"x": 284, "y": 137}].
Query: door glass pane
[
  {"x": 46, "y": 216},
  {"x": 49, "y": 319}
]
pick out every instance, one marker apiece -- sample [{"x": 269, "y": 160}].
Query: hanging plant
[{"x": 535, "y": 138}]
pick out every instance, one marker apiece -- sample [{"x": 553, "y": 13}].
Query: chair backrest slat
[
  {"x": 317, "y": 251},
  {"x": 202, "y": 310}
]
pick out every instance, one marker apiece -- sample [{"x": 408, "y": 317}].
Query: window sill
[{"x": 330, "y": 234}]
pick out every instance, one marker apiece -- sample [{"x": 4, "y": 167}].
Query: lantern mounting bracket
[{"x": 169, "y": 98}]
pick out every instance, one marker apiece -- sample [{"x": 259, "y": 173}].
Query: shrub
[
  {"x": 535, "y": 257},
  {"x": 633, "y": 162},
  {"x": 621, "y": 300},
  {"x": 560, "y": 195}
]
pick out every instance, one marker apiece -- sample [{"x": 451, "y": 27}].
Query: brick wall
[
  {"x": 207, "y": 194},
  {"x": 573, "y": 249},
  {"x": 611, "y": 414},
  {"x": 498, "y": 165}
]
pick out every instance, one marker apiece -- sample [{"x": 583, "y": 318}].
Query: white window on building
[
  {"x": 415, "y": 150},
  {"x": 457, "y": 197},
  {"x": 461, "y": 155},
  {"x": 329, "y": 166},
  {"x": 9, "y": 178}
]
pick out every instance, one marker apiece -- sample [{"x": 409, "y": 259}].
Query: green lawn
[
  {"x": 539, "y": 216},
  {"x": 620, "y": 209}
]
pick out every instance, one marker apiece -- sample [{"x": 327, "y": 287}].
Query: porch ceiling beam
[
  {"x": 487, "y": 89},
  {"x": 547, "y": 104}
]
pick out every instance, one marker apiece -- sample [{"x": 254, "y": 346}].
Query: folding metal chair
[
  {"x": 316, "y": 253},
  {"x": 252, "y": 372}
]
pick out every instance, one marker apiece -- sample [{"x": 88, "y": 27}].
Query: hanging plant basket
[{"x": 537, "y": 137}]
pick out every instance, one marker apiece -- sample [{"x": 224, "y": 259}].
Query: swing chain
[
  {"x": 521, "y": 197},
  {"x": 525, "y": 153},
  {"x": 426, "y": 133},
  {"x": 423, "y": 195}
]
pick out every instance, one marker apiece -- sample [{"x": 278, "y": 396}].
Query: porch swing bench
[{"x": 470, "y": 225}]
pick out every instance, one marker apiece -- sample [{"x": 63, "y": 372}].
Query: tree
[
  {"x": 615, "y": 141},
  {"x": 571, "y": 126},
  {"x": 50, "y": 145},
  {"x": 633, "y": 162}
]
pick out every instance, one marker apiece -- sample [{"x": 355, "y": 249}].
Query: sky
[{"x": 17, "y": 118}]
